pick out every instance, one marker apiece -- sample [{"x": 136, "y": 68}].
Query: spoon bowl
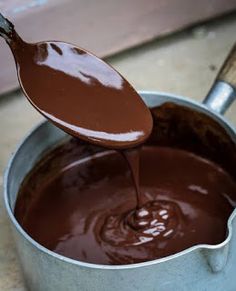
[{"x": 79, "y": 92}]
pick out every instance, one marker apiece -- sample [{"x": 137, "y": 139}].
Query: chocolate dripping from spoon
[{"x": 24, "y": 52}]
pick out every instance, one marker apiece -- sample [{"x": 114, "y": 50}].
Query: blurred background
[{"x": 175, "y": 46}]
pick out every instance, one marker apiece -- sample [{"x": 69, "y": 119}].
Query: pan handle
[{"x": 223, "y": 91}]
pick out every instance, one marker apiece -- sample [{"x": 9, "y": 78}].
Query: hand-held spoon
[{"x": 79, "y": 92}]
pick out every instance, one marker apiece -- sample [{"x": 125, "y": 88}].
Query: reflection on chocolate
[
  {"x": 80, "y": 202},
  {"x": 81, "y": 94}
]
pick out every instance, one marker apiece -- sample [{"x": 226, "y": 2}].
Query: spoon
[{"x": 79, "y": 92}]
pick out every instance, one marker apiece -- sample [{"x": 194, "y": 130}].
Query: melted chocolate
[
  {"x": 80, "y": 93},
  {"x": 88, "y": 209},
  {"x": 132, "y": 157},
  {"x": 84, "y": 207}
]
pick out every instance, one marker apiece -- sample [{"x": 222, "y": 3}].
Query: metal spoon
[{"x": 79, "y": 92}]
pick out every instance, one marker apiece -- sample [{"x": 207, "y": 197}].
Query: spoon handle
[
  {"x": 228, "y": 70},
  {"x": 6, "y": 28}
]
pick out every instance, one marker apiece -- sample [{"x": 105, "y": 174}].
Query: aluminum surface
[
  {"x": 220, "y": 97},
  {"x": 199, "y": 268}
]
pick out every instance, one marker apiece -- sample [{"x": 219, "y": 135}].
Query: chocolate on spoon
[{"x": 79, "y": 92}]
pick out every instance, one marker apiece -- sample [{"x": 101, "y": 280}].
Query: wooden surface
[{"x": 102, "y": 26}]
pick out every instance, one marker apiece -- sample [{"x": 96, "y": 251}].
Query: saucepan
[{"x": 201, "y": 267}]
